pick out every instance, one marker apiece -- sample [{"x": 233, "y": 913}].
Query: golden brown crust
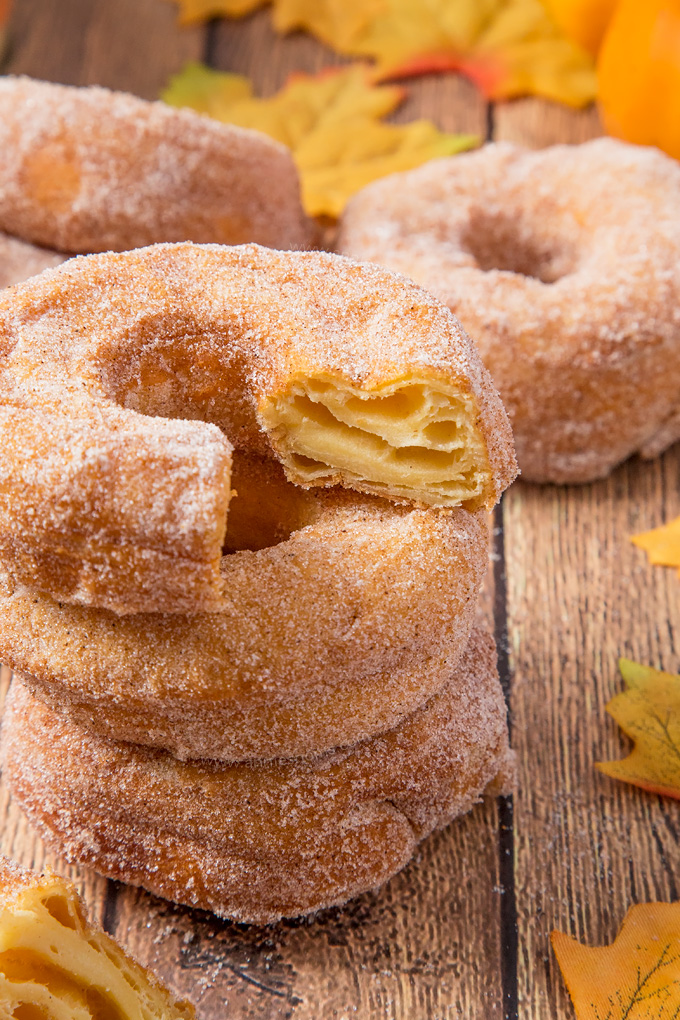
[
  {"x": 86, "y": 169},
  {"x": 19, "y": 260},
  {"x": 332, "y": 634},
  {"x": 113, "y": 491},
  {"x": 563, "y": 265},
  {"x": 262, "y": 840}
]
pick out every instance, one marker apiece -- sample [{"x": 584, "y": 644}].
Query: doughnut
[
  {"x": 54, "y": 965},
  {"x": 331, "y": 634},
  {"x": 262, "y": 840},
  {"x": 564, "y": 266},
  {"x": 127, "y": 379},
  {"x": 19, "y": 260},
  {"x": 86, "y": 170}
]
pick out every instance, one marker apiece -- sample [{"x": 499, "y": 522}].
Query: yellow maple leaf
[
  {"x": 648, "y": 711},
  {"x": 330, "y": 121},
  {"x": 637, "y": 977},
  {"x": 508, "y": 47},
  {"x": 662, "y": 545},
  {"x": 193, "y": 11}
]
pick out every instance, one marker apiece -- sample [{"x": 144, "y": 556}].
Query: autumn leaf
[
  {"x": 584, "y": 21},
  {"x": 635, "y": 978},
  {"x": 662, "y": 545},
  {"x": 648, "y": 711},
  {"x": 508, "y": 47},
  {"x": 330, "y": 121},
  {"x": 193, "y": 11}
]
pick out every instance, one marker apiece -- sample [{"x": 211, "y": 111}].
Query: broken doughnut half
[
  {"x": 54, "y": 965},
  {"x": 126, "y": 381}
]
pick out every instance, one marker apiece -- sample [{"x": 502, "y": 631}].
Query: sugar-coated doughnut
[
  {"x": 126, "y": 378},
  {"x": 86, "y": 169},
  {"x": 564, "y": 265},
  {"x": 55, "y": 965},
  {"x": 19, "y": 260},
  {"x": 329, "y": 634},
  {"x": 261, "y": 840}
]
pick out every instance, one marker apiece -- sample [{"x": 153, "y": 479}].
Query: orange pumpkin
[
  {"x": 582, "y": 21},
  {"x": 639, "y": 74}
]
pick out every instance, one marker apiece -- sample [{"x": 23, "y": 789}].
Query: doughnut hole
[
  {"x": 265, "y": 508},
  {"x": 415, "y": 438},
  {"x": 512, "y": 244}
]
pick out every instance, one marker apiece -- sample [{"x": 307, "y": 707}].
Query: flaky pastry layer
[
  {"x": 328, "y": 635},
  {"x": 263, "y": 840},
  {"x": 126, "y": 379},
  {"x": 563, "y": 265},
  {"x": 54, "y": 965},
  {"x": 87, "y": 169}
]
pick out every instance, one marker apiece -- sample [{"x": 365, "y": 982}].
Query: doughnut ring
[
  {"x": 19, "y": 260},
  {"x": 126, "y": 378},
  {"x": 261, "y": 840},
  {"x": 563, "y": 265},
  {"x": 336, "y": 632},
  {"x": 86, "y": 170},
  {"x": 54, "y": 964}
]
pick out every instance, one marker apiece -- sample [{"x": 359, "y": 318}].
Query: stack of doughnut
[
  {"x": 90, "y": 170},
  {"x": 243, "y": 530},
  {"x": 563, "y": 264}
]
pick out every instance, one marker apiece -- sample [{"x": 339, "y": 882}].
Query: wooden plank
[
  {"x": 536, "y": 123},
  {"x": 133, "y": 45},
  {"x": 250, "y": 46},
  {"x": 579, "y": 596}
]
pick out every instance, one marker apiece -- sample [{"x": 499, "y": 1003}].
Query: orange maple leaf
[
  {"x": 648, "y": 711},
  {"x": 637, "y": 977},
  {"x": 331, "y": 122},
  {"x": 508, "y": 47},
  {"x": 662, "y": 545}
]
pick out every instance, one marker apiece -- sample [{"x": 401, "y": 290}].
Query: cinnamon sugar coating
[
  {"x": 19, "y": 260},
  {"x": 126, "y": 379},
  {"x": 86, "y": 170},
  {"x": 260, "y": 841},
  {"x": 563, "y": 265},
  {"x": 330, "y": 634}
]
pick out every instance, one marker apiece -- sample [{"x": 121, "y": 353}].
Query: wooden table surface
[{"x": 464, "y": 930}]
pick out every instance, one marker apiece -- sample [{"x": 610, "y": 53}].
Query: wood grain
[
  {"x": 537, "y": 123},
  {"x": 579, "y": 595},
  {"x": 132, "y": 45}
]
